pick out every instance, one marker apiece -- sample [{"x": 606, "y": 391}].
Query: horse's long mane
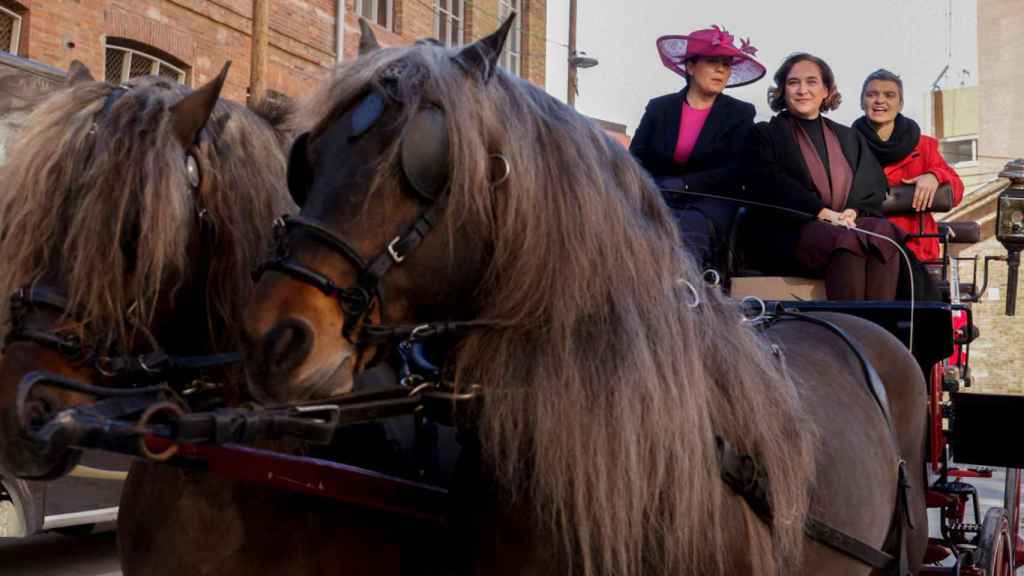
[
  {"x": 604, "y": 390},
  {"x": 103, "y": 205}
]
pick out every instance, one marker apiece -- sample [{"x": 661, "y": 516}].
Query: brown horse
[
  {"x": 115, "y": 202},
  {"x": 441, "y": 192},
  {"x": 103, "y": 205}
]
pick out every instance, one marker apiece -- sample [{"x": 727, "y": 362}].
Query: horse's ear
[
  {"x": 367, "y": 40},
  {"x": 298, "y": 169},
  {"x": 481, "y": 57},
  {"x": 192, "y": 111},
  {"x": 79, "y": 73}
]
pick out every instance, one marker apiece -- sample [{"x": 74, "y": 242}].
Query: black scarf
[{"x": 900, "y": 144}]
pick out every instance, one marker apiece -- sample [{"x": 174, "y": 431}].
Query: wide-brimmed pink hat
[{"x": 714, "y": 41}]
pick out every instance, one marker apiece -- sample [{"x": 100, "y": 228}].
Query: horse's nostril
[{"x": 288, "y": 344}]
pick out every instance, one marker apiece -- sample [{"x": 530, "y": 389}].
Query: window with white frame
[
  {"x": 377, "y": 11},
  {"x": 960, "y": 151},
  {"x": 511, "y": 56},
  {"x": 10, "y": 31},
  {"x": 125, "y": 63},
  {"x": 449, "y": 21}
]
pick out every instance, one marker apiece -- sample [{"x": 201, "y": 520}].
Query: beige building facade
[
  {"x": 1000, "y": 81},
  {"x": 954, "y": 119},
  {"x": 997, "y": 357}
]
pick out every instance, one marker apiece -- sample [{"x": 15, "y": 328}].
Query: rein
[
  {"x": 121, "y": 420},
  {"x": 150, "y": 366}
]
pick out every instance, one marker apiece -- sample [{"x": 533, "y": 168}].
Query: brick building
[{"x": 189, "y": 40}]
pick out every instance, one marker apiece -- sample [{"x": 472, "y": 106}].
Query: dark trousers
[
  {"x": 705, "y": 224},
  {"x": 856, "y": 267}
]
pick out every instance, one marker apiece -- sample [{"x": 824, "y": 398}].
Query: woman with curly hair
[{"x": 827, "y": 177}]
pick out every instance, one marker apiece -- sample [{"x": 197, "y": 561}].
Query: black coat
[
  {"x": 779, "y": 176},
  {"x": 713, "y": 166}
]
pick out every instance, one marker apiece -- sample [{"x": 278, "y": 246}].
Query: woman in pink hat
[
  {"x": 827, "y": 177},
  {"x": 690, "y": 141}
]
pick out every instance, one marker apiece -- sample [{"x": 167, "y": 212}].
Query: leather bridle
[
  {"x": 424, "y": 159},
  {"x": 154, "y": 365}
]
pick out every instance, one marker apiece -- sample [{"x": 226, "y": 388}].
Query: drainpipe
[
  {"x": 260, "y": 48},
  {"x": 339, "y": 30}
]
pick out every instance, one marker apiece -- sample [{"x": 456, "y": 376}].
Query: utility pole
[
  {"x": 570, "y": 96},
  {"x": 260, "y": 41}
]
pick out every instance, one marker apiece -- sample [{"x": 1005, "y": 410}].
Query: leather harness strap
[
  {"x": 871, "y": 377},
  {"x": 844, "y": 543},
  {"x": 155, "y": 364},
  {"x": 748, "y": 479}
]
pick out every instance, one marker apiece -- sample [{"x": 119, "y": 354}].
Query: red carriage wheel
[{"x": 995, "y": 548}]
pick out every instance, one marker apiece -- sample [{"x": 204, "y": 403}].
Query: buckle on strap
[{"x": 393, "y": 251}]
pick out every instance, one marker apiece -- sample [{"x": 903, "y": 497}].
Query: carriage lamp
[{"x": 1010, "y": 227}]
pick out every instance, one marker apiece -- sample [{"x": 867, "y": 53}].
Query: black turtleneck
[{"x": 816, "y": 132}]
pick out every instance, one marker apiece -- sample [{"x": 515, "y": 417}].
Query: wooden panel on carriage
[
  {"x": 777, "y": 287},
  {"x": 933, "y": 324}
]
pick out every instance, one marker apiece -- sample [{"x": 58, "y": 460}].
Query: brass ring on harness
[
  {"x": 420, "y": 332},
  {"x": 505, "y": 174},
  {"x": 711, "y": 276},
  {"x": 417, "y": 390},
  {"x": 693, "y": 292},
  {"x": 145, "y": 367},
  {"x": 105, "y": 366},
  {"x": 757, "y": 317},
  {"x": 148, "y": 415}
]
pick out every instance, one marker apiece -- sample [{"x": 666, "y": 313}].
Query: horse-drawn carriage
[
  {"x": 599, "y": 432},
  {"x": 965, "y": 427}
]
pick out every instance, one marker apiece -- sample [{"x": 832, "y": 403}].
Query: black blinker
[
  {"x": 425, "y": 153},
  {"x": 112, "y": 98},
  {"x": 366, "y": 114},
  {"x": 299, "y": 177}
]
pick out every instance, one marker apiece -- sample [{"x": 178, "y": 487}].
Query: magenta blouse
[{"x": 691, "y": 121}]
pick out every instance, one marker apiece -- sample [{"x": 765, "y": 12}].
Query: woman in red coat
[{"x": 906, "y": 156}]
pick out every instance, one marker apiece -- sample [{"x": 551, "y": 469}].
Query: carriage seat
[
  {"x": 743, "y": 281},
  {"x": 962, "y": 233},
  {"x": 965, "y": 232}
]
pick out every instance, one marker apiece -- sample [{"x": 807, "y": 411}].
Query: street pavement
[
  {"x": 96, "y": 554},
  {"x": 56, "y": 555}
]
